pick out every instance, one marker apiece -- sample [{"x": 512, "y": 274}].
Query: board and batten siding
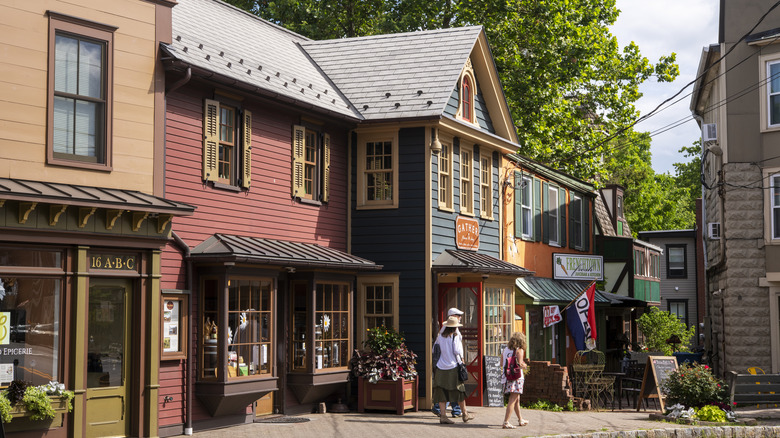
[
  {"x": 25, "y": 38},
  {"x": 266, "y": 210}
]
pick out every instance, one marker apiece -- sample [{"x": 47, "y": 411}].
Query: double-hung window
[
  {"x": 80, "y": 92},
  {"x": 679, "y": 308},
  {"x": 676, "y": 261},
  {"x": 311, "y": 164},
  {"x": 227, "y": 144},
  {"x": 579, "y": 222},
  {"x": 445, "y": 176},
  {"x": 486, "y": 187},
  {"x": 377, "y": 303},
  {"x": 527, "y": 208},
  {"x": 773, "y": 93},
  {"x": 377, "y": 170},
  {"x": 775, "y": 205},
  {"x": 466, "y": 180}
]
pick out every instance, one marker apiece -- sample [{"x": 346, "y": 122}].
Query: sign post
[{"x": 657, "y": 371}]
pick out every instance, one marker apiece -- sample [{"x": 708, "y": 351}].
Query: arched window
[{"x": 465, "y": 98}]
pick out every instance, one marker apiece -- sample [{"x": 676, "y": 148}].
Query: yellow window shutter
[
  {"x": 210, "y": 139},
  {"x": 246, "y": 151},
  {"x": 298, "y": 149},
  {"x": 325, "y": 167}
]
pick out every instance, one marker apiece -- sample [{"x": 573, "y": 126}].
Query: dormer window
[
  {"x": 467, "y": 95},
  {"x": 466, "y": 102}
]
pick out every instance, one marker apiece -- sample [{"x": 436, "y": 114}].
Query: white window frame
[
  {"x": 527, "y": 207},
  {"x": 765, "y": 64},
  {"x": 466, "y": 181},
  {"x": 774, "y": 196},
  {"x": 553, "y": 220},
  {"x": 362, "y": 201},
  {"x": 486, "y": 186}
]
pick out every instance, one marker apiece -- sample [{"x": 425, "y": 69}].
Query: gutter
[{"x": 190, "y": 360}]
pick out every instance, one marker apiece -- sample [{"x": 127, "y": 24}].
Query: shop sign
[
  {"x": 578, "y": 267},
  {"x": 552, "y": 315},
  {"x": 113, "y": 262},
  {"x": 467, "y": 233}
]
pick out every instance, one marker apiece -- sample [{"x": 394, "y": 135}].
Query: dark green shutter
[
  {"x": 562, "y": 217},
  {"x": 518, "y": 205},
  {"x": 571, "y": 220},
  {"x": 545, "y": 212},
  {"x": 586, "y": 231},
  {"x": 537, "y": 210}
]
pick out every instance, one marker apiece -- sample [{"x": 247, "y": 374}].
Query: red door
[{"x": 468, "y": 298}]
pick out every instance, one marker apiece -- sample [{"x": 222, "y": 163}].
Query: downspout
[
  {"x": 188, "y": 285},
  {"x": 188, "y": 277}
]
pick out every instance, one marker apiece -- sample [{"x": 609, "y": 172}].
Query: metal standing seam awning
[
  {"x": 226, "y": 247},
  {"x": 452, "y": 260},
  {"x": 547, "y": 291}
]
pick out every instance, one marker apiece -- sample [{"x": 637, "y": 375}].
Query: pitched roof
[
  {"x": 216, "y": 37},
  {"x": 553, "y": 174},
  {"x": 403, "y": 75},
  {"x": 278, "y": 252}
]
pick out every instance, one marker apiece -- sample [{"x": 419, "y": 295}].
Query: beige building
[
  {"x": 735, "y": 100},
  {"x": 83, "y": 220}
]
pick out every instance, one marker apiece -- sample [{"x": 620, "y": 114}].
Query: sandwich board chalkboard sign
[
  {"x": 657, "y": 371},
  {"x": 493, "y": 387}
]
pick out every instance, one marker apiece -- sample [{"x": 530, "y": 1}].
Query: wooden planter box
[
  {"x": 21, "y": 417},
  {"x": 388, "y": 395}
]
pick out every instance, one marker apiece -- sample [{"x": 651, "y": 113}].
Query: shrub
[
  {"x": 658, "y": 326},
  {"x": 711, "y": 413},
  {"x": 386, "y": 357},
  {"x": 693, "y": 385}
]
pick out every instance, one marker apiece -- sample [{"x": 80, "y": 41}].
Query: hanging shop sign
[
  {"x": 552, "y": 315},
  {"x": 578, "y": 267},
  {"x": 467, "y": 233}
]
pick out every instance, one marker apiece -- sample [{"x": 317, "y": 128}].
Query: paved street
[{"x": 487, "y": 424}]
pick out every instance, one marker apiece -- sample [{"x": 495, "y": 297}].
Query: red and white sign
[
  {"x": 467, "y": 233},
  {"x": 552, "y": 315}
]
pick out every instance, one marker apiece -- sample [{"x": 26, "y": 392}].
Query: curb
[{"x": 692, "y": 432}]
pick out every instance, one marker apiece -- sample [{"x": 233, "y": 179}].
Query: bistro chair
[{"x": 589, "y": 383}]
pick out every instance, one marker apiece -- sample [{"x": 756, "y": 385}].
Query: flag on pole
[{"x": 581, "y": 319}]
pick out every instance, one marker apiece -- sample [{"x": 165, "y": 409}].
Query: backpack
[
  {"x": 436, "y": 353},
  {"x": 512, "y": 371}
]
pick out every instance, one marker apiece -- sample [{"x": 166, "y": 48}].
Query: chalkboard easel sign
[
  {"x": 657, "y": 371},
  {"x": 493, "y": 387}
]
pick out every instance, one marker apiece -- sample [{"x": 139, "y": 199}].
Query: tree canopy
[{"x": 570, "y": 88}]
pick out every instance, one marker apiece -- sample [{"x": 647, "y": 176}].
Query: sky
[{"x": 660, "y": 27}]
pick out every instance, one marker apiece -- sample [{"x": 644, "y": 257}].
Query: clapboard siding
[
  {"x": 172, "y": 384},
  {"x": 266, "y": 210}
]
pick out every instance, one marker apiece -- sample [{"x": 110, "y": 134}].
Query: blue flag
[{"x": 581, "y": 318}]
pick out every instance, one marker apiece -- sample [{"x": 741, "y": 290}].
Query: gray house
[{"x": 735, "y": 100}]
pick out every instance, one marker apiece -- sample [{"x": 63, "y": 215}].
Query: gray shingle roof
[
  {"x": 466, "y": 261},
  {"x": 419, "y": 70},
  {"x": 215, "y": 36}
]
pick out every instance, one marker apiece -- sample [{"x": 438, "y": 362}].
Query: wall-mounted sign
[
  {"x": 174, "y": 326},
  {"x": 113, "y": 262},
  {"x": 578, "y": 267},
  {"x": 467, "y": 233}
]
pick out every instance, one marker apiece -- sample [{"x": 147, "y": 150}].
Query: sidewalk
[{"x": 424, "y": 424}]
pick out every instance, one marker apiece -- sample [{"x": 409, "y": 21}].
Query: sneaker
[
  {"x": 435, "y": 410},
  {"x": 456, "y": 412}
]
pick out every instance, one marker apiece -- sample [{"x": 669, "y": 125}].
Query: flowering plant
[
  {"x": 386, "y": 357},
  {"x": 35, "y": 399},
  {"x": 694, "y": 386}
]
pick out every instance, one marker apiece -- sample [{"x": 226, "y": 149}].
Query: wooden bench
[{"x": 754, "y": 389}]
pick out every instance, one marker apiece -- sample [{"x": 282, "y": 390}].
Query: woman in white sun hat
[{"x": 446, "y": 385}]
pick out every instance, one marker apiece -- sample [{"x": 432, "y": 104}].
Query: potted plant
[
  {"x": 385, "y": 372},
  {"x": 36, "y": 402}
]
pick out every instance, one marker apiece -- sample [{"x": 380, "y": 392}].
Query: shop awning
[
  {"x": 225, "y": 247},
  {"x": 622, "y": 301},
  {"x": 87, "y": 196},
  {"x": 548, "y": 291},
  {"x": 468, "y": 261}
]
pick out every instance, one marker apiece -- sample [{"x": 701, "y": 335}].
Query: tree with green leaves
[
  {"x": 657, "y": 326},
  {"x": 570, "y": 88}
]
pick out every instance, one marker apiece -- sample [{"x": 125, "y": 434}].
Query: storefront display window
[
  {"x": 498, "y": 319},
  {"x": 30, "y": 315},
  {"x": 249, "y": 328},
  {"x": 331, "y": 326}
]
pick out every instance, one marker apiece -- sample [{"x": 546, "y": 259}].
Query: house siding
[{"x": 480, "y": 108}]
